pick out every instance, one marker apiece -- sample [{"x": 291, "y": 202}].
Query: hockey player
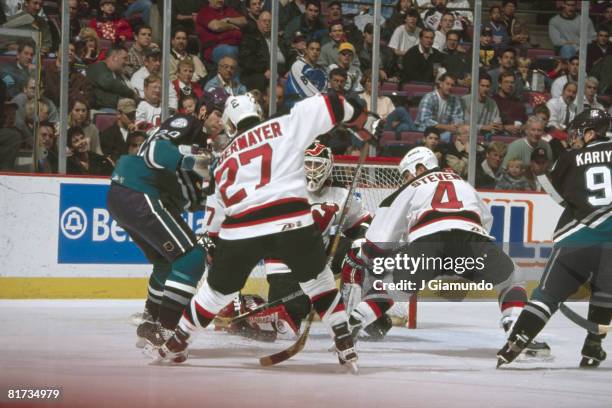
[
  {"x": 326, "y": 198},
  {"x": 148, "y": 193},
  {"x": 581, "y": 181},
  {"x": 261, "y": 186},
  {"x": 440, "y": 216}
]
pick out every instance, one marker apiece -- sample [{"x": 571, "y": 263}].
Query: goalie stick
[
  {"x": 296, "y": 347},
  {"x": 586, "y": 324}
]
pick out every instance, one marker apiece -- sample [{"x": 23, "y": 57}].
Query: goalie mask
[
  {"x": 318, "y": 163},
  {"x": 596, "y": 120},
  {"x": 418, "y": 155},
  {"x": 237, "y": 109}
]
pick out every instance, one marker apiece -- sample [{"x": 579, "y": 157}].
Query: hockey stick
[
  {"x": 301, "y": 341},
  {"x": 586, "y": 324}
]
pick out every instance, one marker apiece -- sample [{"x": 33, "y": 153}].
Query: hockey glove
[
  {"x": 207, "y": 243},
  {"x": 197, "y": 160}
]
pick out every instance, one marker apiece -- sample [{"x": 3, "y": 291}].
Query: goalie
[{"x": 326, "y": 197}]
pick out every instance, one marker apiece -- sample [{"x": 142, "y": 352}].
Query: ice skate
[
  {"x": 345, "y": 347},
  {"x": 592, "y": 354},
  {"x": 152, "y": 333},
  {"x": 174, "y": 350}
]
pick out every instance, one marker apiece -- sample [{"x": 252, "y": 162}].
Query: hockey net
[{"x": 378, "y": 178}]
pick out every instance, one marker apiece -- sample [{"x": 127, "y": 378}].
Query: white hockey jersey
[
  {"x": 435, "y": 201},
  {"x": 261, "y": 180}
]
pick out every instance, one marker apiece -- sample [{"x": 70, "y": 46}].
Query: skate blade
[
  {"x": 352, "y": 367},
  {"x": 137, "y": 319},
  {"x": 535, "y": 357},
  {"x": 152, "y": 352}
]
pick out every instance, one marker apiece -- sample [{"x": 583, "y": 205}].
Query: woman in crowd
[
  {"x": 79, "y": 117},
  {"x": 81, "y": 160}
]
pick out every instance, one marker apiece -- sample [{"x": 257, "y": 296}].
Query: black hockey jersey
[{"x": 581, "y": 180}]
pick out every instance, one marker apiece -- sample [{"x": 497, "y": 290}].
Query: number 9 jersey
[{"x": 434, "y": 201}]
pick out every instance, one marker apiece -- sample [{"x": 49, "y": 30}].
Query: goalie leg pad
[{"x": 180, "y": 286}]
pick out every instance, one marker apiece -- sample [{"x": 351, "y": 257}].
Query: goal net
[{"x": 377, "y": 179}]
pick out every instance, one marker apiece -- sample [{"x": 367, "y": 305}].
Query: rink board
[{"x": 58, "y": 240}]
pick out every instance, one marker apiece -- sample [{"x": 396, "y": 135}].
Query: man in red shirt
[{"x": 219, "y": 29}]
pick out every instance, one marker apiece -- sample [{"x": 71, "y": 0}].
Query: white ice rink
[{"x": 86, "y": 348}]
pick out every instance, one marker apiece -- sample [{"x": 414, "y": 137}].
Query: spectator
[
  {"x": 75, "y": 22},
  {"x": 10, "y": 138},
  {"x": 309, "y": 24},
  {"x": 557, "y": 142},
  {"x": 488, "y": 119},
  {"x": 511, "y": 109},
  {"x": 138, "y": 8},
  {"x": 446, "y": 26},
  {"x": 346, "y": 56},
  {"x": 280, "y": 100},
  {"x": 27, "y": 129},
  {"x": 564, "y": 30},
  {"x": 109, "y": 25},
  {"x": 148, "y": 112},
  {"x": 138, "y": 50},
  {"x": 81, "y": 159},
  {"x": 183, "y": 85},
  {"x": 440, "y": 109},
  {"x": 599, "y": 48},
  {"x": 36, "y": 22},
  {"x": 179, "y": 53},
  {"x": 419, "y": 62},
  {"x": 456, "y": 62},
  {"x": 522, "y": 148},
  {"x": 290, "y": 10},
  {"x": 513, "y": 177},
  {"x": 461, "y": 10},
  {"x": 499, "y": 32},
  {"x": 386, "y": 57},
  {"x": 184, "y": 14},
  {"x": 114, "y": 138},
  {"x": 79, "y": 116},
  {"x": 90, "y": 50},
  {"x": 398, "y": 119},
  {"x": 571, "y": 76},
  {"x": 254, "y": 54},
  {"x": 78, "y": 85},
  {"x": 489, "y": 169},
  {"x": 457, "y": 153},
  {"x": 329, "y": 51},
  {"x": 432, "y": 18},
  {"x": 152, "y": 65},
  {"x": 365, "y": 17},
  {"x": 337, "y": 80},
  {"x": 590, "y": 94},
  {"x": 520, "y": 40},
  {"x": 47, "y": 159},
  {"x": 306, "y": 77},
  {"x": 134, "y": 141},
  {"x": 226, "y": 78},
  {"x": 398, "y": 17},
  {"x": 29, "y": 95},
  {"x": 407, "y": 35},
  {"x": 187, "y": 105},
  {"x": 523, "y": 66},
  {"x": 606, "y": 19},
  {"x": 487, "y": 51},
  {"x": 507, "y": 61},
  {"x": 431, "y": 140},
  {"x": 334, "y": 16},
  {"x": 253, "y": 10},
  {"x": 219, "y": 29},
  {"x": 107, "y": 77},
  {"x": 538, "y": 165},
  {"x": 508, "y": 8},
  {"x": 15, "y": 75},
  {"x": 563, "y": 109}
]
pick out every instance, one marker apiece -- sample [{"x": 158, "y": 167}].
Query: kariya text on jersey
[
  {"x": 582, "y": 159},
  {"x": 253, "y": 137}
]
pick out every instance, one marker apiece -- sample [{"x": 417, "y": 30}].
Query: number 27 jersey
[
  {"x": 435, "y": 201},
  {"x": 260, "y": 179}
]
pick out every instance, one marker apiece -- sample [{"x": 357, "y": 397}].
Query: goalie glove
[{"x": 197, "y": 160}]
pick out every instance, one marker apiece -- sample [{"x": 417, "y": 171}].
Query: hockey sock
[
  {"x": 368, "y": 311},
  {"x": 534, "y": 317},
  {"x": 599, "y": 315},
  {"x": 180, "y": 286},
  {"x": 203, "y": 308},
  {"x": 161, "y": 270},
  {"x": 511, "y": 302},
  {"x": 325, "y": 298}
]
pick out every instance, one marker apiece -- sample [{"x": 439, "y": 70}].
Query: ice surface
[{"x": 87, "y": 349}]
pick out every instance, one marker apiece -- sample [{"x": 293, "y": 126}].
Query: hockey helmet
[
  {"x": 318, "y": 163},
  {"x": 418, "y": 155},
  {"x": 589, "y": 119},
  {"x": 237, "y": 109},
  {"x": 213, "y": 99}
]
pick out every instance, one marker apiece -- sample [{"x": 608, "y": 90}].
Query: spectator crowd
[{"x": 525, "y": 100}]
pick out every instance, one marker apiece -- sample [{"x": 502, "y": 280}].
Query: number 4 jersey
[
  {"x": 260, "y": 179},
  {"x": 435, "y": 201},
  {"x": 581, "y": 180}
]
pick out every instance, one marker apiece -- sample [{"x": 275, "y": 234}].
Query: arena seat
[
  {"x": 417, "y": 89},
  {"x": 411, "y": 137},
  {"x": 460, "y": 90},
  {"x": 103, "y": 121},
  {"x": 535, "y": 53}
]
